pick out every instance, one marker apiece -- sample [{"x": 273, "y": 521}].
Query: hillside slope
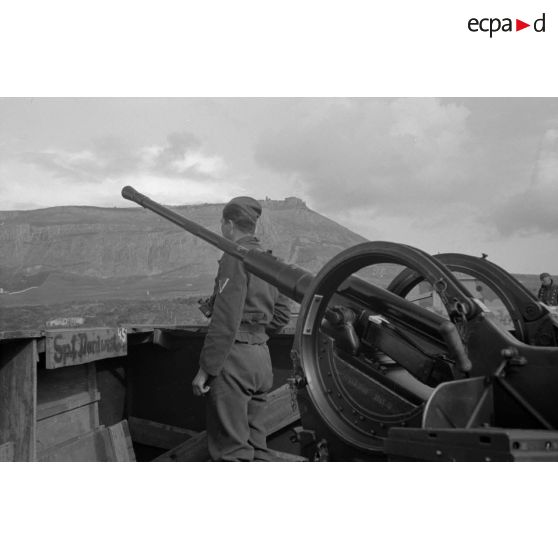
[
  {"x": 118, "y": 243},
  {"x": 114, "y": 265},
  {"x": 60, "y": 260}
]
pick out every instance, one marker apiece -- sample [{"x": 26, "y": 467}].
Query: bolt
[
  {"x": 548, "y": 446},
  {"x": 509, "y": 352}
]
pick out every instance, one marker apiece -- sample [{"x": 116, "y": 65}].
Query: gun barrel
[
  {"x": 216, "y": 240},
  {"x": 295, "y": 282},
  {"x": 292, "y": 281}
]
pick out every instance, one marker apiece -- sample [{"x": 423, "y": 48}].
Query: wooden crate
[
  {"x": 18, "y": 381},
  {"x": 7, "y": 451},
  {"x": 67, "y": 405},
  {"x": 102, "y": 444},
  {"x": 156, "y": 434}
]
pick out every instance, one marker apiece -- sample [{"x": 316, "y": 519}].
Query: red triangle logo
[{"x": 519, "y": 25}]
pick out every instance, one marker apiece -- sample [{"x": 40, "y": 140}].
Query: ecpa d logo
[{"x": 493, "y": 25}]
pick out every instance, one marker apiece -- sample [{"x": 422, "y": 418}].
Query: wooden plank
[
  {"x": 67, "y": 404},
  {"x": 283, "y": 456},
  {"x": 92, "y": 446},
  {"x": 26, "y": 334},
  {"x": 54, "y": 385},
  {"x": 65, "y": 347},
  {"x": 40, "y": 345},
  {"x": 194, "y": 449},
  {"x": 102, "y": 444},
  {"x": 156, "y": 434},
  {"x": 281, "y": 412},
  {"x": 91, "y": 377},
  {"x": 140, "y": 328},
  {"x": 121, "y": 442},
  {"x": 111, "y": 382},
  {"x": 7, "y": 452},
  {"x": 18, "y": 396},
  {"x": 67, "y": 425},
  {"x": 282, "y": 409},
  {"x": 51, "y": 408}
]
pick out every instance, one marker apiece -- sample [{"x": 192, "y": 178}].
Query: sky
[{"x": 472, "y": 175}]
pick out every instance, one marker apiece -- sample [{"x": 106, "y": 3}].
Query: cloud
[
  {"x": 533, "y": 210},
  {"x": 384, "y": 154},
  {"x": 487, "y": 164},
  {"x": 526, "y": 213},
  {"x": 182, "y": 155},
  {"x": 78, "y": 165},
  {"x": 16, "y": 194},
  {"x": 547, "y": 162}
]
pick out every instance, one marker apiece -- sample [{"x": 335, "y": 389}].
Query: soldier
[
  {"x": 235, "y": 366},
  {"x": 548, "y": 293}
]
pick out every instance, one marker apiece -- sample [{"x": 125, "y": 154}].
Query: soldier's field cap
[
  {"x": 250, "y": 207},
  {"x": 543, "y": 276}
]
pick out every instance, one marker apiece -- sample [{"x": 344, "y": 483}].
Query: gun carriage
[{"x": 377, "y": 375}]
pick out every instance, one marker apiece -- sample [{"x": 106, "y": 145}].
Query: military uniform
[
  {"x": 549, "y": 294},
  {"x": 236, "y": 357}
]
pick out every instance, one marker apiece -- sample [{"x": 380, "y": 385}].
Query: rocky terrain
[
  {"x": 130, "y": 265},
  {"x": 108, "y": 266}
]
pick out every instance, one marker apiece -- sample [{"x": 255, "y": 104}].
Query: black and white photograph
[
  {"x": 315, "y": 235},
  {"x": 278, "y": 279}
]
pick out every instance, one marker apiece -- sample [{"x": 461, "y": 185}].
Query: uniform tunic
[
  {"x": 236, "y": 357},
  {"x": 549, "y": 294}
]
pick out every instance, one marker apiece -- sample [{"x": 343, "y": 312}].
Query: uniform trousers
[{"x": 236, "y": 405}]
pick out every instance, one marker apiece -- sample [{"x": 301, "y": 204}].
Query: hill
[
  {"x": 58, "y": 261},
  {"x": 109, "y": 266}
]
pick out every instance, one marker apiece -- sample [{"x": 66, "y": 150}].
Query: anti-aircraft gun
[{"x": 378, "y": 375}]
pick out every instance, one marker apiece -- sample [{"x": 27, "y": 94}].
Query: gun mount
[
  {"x": 377, "y": 374},
  {"x": 532, "y": 323}
]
